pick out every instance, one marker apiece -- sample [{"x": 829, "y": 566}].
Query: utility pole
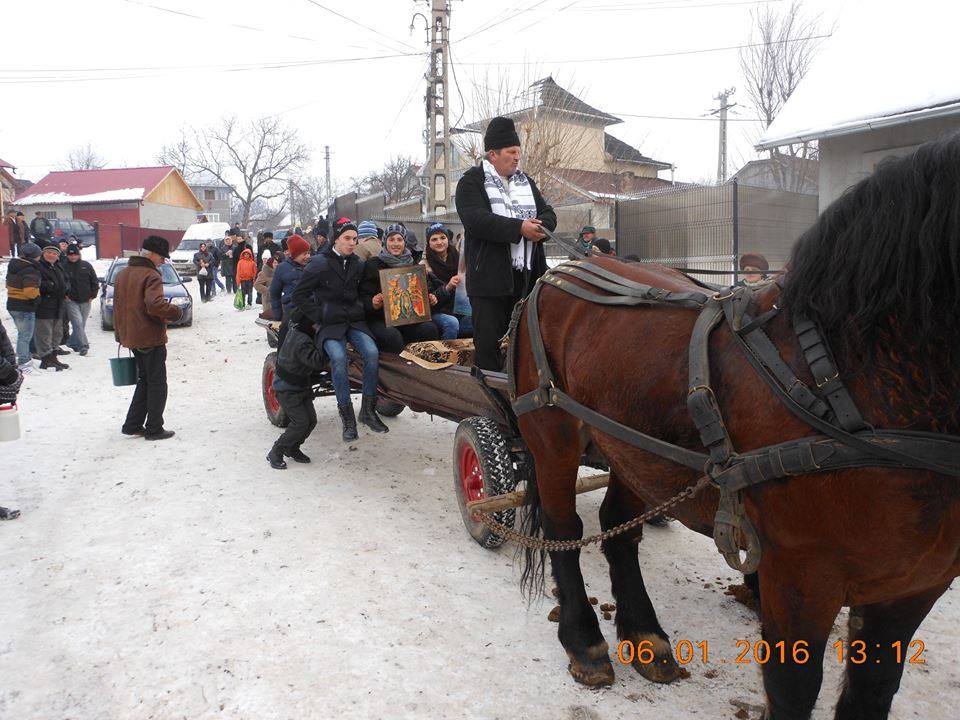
[
  {"x": 724, "y": 98},
  {"x": 293, "y": 221},
  {"x": 326, "y": 157},
  {"x": 438, "y": 110}
]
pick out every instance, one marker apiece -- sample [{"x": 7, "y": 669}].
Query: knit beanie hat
[
  {"x": 367, "y": 228},
  {"x": 501, "y": 133},
  {"x": 395, "y": 230},
  {"x": 30, "y": 250},
  {"x": 438, "y": 228},
  {"x": 341, "y": 226},
  {"x": 296, "y": 246}
]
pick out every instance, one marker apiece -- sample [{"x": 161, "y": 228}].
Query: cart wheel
[
  {"x": 389, "y": 408},
  {"x": 482, "y": 467},
  {"x": 275, "y": 413}
]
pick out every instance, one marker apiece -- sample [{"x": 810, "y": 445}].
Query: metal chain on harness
[{"x": 535, "y": 543}]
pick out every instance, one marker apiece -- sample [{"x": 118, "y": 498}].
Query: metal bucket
[{"x": 9, "y": 423}]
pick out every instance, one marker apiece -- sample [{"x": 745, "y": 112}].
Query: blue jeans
[
  {"x": 216, "y": 279},
  {"x": 336, "y": 350},
  {"x": 466, "y": 326},
  {"x": 78, "y": 314},
  {"x": 448, "y": 325},
  {"x": 25, "y": 322}
]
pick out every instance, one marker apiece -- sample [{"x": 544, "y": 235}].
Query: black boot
[
  {"x": 297, "y": 455},
  {"x": 275, "y": 457},
  {"x": 368, "y": 414},
  {"x": 349, "y": 422},
  {"x": 50, "y": 361}
]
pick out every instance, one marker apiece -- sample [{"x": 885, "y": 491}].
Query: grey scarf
[{"x": 396, "y": 260}]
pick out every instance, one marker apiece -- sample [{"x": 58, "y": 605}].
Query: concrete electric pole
[
  {"x": 438, "y": 110},
  {"x": 326, "y": 157},
  {"x": 724, "y": 98}
]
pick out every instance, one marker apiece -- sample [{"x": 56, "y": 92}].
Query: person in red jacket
[{"x": 246, "y": 274}]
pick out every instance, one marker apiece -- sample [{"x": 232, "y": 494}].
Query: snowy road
[{"x": 186, "y": 579}]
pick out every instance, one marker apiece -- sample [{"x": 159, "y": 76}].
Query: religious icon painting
[{"x": 406, "y": 299}]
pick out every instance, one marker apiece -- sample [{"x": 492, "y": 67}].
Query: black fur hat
[{"x": 501, "y": 133}]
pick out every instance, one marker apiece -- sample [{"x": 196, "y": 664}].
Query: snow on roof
[
  {"x": 886, "y": 64},
  {"x": 95, "y": 186}
]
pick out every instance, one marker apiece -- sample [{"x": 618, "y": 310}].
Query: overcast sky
[{"x": 125, "y": 75}]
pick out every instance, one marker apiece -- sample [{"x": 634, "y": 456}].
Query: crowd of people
[{"x": 50, "y": 288}]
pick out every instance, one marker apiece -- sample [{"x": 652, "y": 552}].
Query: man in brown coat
[{"x": 140, "y": 315}]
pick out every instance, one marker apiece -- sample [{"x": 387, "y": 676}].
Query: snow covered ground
[{"x": 186, "y": 579}]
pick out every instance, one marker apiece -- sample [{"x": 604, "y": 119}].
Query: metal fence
[{"x": 710, "y": 227}]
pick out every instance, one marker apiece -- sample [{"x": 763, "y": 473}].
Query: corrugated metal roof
[
  {"x": 110, "y": 185},
  {"x": 621, "y": 152}
]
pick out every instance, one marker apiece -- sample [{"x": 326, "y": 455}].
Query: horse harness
[{"x": 846, "y": 441}]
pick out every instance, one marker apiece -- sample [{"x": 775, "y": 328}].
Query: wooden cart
[{"x": 490, "y": 459}]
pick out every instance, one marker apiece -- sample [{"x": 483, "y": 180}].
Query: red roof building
[{"x": 151, "y": 197}]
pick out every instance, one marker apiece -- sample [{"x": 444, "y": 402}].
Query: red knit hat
[{"x": 296, "y": 245}]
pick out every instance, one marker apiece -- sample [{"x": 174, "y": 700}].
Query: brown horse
[{"x": 880, "y": 272}]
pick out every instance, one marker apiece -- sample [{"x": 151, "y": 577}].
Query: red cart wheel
[
  {"x": 271, "y": 404},
  {"x": 482, "y": 467}
]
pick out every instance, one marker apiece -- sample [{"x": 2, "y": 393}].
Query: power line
[
  {"x": 494, "y": 21},
  {"x": 360, "y": 24},
  {"x": 649, "y": 55},
  {"x": 685, "y": 117},
  {"x": 670, "y": 5}
]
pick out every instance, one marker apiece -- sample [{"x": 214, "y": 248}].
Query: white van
[{"x": 208, "y": 232}]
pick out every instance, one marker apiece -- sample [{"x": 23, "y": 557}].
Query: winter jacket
[
  {"x": 8, "y": 359},
  {"x": 285, "y": 279},
  {"x": 201, "y": 258},
  {"x": 19, "y": 233},
  {"x": 266, "y": 246},
  {"x": 53, "y": 290},
  {"x": 490, "y": 237},
  {"x": 40, "y": 227},
  {"x": 140, "y": 311},
  {"x": 445, "y": 296},
  {"x": 299, "y": 358},
  {"x": 246, "y": 267},
  {"x": 329, "y": 295},
  {"x": 227, "y": 265},
  {"x": 262, "y": 283},
  {"x": 84, "y": 285},
  {"x": 23, "y": 286}
]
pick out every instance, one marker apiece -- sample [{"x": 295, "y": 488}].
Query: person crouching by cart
[
  {"x": 298, "y": 360},
  {"x": 395, "y": 254},
  {"x": 328, "y": 294},
  {"x": 11, "y": 377}
]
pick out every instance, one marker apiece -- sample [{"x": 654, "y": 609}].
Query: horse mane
[{"x": 880, "y": 268}]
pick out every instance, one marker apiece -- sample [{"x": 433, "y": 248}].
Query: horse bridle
[{"x": 847, "y": 441}]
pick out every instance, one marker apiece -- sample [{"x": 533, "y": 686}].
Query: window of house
[{"x": 209, "y": 194}]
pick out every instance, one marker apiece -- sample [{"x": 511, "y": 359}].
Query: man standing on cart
[{"x": 502, "y": 212}]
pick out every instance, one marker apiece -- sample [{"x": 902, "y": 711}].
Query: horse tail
[{"x": 531, "y": 525}]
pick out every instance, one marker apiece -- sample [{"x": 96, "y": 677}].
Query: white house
[{"x": 885, "y": 83}]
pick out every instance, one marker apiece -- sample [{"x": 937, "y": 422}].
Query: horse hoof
[
  {"x": 594, "y": 669},
  {"x": 663, "y": 668}
]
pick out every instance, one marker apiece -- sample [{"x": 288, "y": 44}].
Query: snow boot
[
  {"x": 161, "y": 435},
  {"x": 275, "y": 458},
  {"x": 297, "y": 455},
  {"x": 368, "y": 415},
  {"x": 50, "y": 361},
  {"x": 349, "y": 422}
]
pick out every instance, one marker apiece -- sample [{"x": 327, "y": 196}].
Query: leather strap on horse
[{"x": 848, "y": 443}]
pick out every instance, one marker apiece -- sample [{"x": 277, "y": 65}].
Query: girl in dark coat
[
  {"x": 443, "y": 277},
  {"x": 395, "y": 253},
  {"x": 329, "y": 295},
  {"x": 203, "y": 260}
]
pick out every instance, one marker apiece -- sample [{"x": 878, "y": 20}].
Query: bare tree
[
  {"x": 549, "y": 121},
  {"x": 781, "y": 46},
  {"x": 310, "y": 197},
  {"x": 257, "y": 160},
  {"x": 398, "y": 180},
  {"x": 83, "y": 157}
]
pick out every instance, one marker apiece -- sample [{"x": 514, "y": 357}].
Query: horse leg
[
  {"x": 557, "y": 460},
  {"x": 636, "y": 619},
  {"x": 885, "y": 629},
  {"x": 798, "y": 610}
]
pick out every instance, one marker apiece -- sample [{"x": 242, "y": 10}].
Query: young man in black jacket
[
  {"x": 502, "y": 212},
  {"x": 84, "y": 287}
]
